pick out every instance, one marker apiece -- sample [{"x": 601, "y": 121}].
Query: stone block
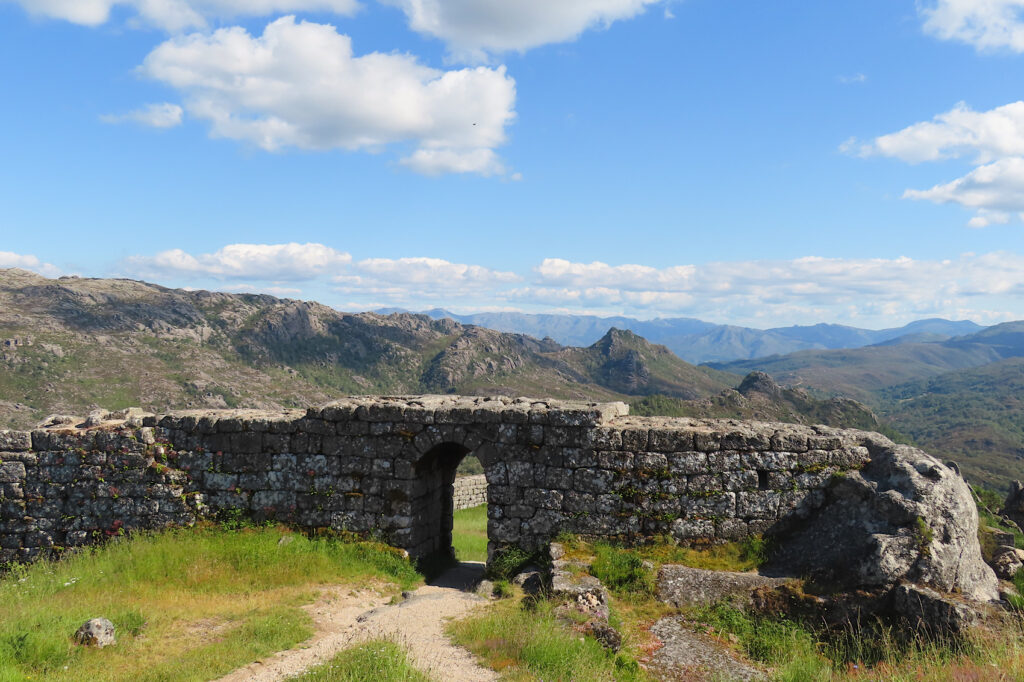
[
  {"x": 15, "y": 441},
  {"x": 670, "y": 440},
  {"x": 711, "y": 505},
  {"x": 762, "y": 504},
  {"x": 737, "y": 481},
  {"x": 691, "y": 529},
  {"x": 688, "y": 463},
  {"x": 634, "y": 440}
]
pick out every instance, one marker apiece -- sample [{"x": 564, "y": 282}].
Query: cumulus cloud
[
  {"x": 265, "y": 262},
  {"x": 154, "y": 115},
  {"x": 808, "y": 289},
  {"x": 985, "y": 24},
  {"x": 994, "y": 189},
  {"x": 474, "y": 28},
  {"x": 178, "y": 15},
  {"x": 9, "y": 259},
  {"x": 867, "y": 291},
  {"x": 300, "y": 85},
  {"x": 985, "y": 135},
  {"x": 991, "y": 140},
  {"x": 420, "y": 282}
]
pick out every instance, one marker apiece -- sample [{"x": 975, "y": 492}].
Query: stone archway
[{"x": 433, "y": 507}]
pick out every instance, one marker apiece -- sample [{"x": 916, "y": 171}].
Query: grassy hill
[
  {"x": 861, "y": 372},
  {"x": 974, "y": 416},
  {"x": 958, "y": 398},
  {"x": 758, "y": 397},
  {"x": 74, "y": 344}
]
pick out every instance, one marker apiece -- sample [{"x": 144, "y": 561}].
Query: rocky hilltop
[{"x": 78, "y": 343}]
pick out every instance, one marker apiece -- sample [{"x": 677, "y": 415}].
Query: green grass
[
  {"x": 797, "y": 654},
  {"x": 378, "y": 660},
  {"x": 187, "y": 604},
  {"x": 530, "y": 644},
  {"x": 622, "y": 571},
  {"x": 743, "y": 556},
  {"x": 469, "y": 534}
]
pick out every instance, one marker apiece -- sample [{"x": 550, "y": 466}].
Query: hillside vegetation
[
  {"x": 117, "y": 343},
  {"x": 957, "y": 398}
]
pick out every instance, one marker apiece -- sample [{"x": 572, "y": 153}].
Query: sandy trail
[{"x": 343, "y": 618}]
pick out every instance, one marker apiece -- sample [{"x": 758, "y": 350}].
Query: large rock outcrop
[{"x": 903, "y": 518}]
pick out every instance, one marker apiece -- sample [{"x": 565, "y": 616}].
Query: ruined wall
[
  {"x": 387, "y": 466},
  {"x": 470, "y": 491}
]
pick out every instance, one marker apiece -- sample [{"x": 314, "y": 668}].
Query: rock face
[
  {"x": 684, "y": 586},
  {"x": 903, "y": 517},
  {"x": 1014, "y": 505},
  {"x": 98, "y": 632}
]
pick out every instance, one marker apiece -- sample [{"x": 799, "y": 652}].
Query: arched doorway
[{"x": 433, "y": 508}]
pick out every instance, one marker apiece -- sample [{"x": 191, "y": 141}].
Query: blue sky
[{"x": 852, "y": 161}]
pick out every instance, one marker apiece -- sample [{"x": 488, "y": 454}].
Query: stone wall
[
  {"x": 470, "y": 491},
  {"x": 387, "y": 466}
]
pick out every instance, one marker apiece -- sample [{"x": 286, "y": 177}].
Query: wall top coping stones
[{"x": 655, "y": 434}]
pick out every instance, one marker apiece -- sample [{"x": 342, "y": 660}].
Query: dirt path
[{"x": 343, "y": 619}]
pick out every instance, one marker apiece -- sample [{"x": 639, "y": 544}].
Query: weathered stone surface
[
  {"x": 97, "y": 632},
  {"x": 684, "y": 586},
  {"x": 931, "y": 612},
  {"x": 688, "y": 655},
  {"x": 1007, "y": 561},
  {"x": 903, "y": 517}
]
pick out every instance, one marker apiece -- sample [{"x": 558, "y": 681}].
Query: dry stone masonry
[
  {"x": 386, "y": 466},
  {"x": 470, "y": 491}
]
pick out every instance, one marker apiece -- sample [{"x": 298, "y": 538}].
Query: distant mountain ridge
[
  {"x": 697, "y": 341},
  {"x": 78, "y": 343}
]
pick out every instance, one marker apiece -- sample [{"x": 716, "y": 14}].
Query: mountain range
[
  {"x": 699, "y": 342},
  {"x": 69, "y": 345}
]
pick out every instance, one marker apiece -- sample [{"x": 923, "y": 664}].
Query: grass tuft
[{"x": 378, "y": 660}]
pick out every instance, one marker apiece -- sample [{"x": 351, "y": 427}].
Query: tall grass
[
  {"x": 187, "y": 603},
  {"x": 376, "y": 661}
]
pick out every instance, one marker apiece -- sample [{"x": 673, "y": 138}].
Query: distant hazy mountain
[
  {"x": 859, "y": 372},
  {"x": 697, "y": 341}
]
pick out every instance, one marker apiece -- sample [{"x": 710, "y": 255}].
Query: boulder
[
  {"x": 1013, "y": 508},
  {"x": 1007, "y": 561},
  {"x": 684, "y": 586},
  {"x": 931, "y": 612},
  {"x": 97, "y": 632},
  {"x": 903, "y": 517}
]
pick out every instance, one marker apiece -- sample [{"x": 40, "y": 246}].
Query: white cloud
[
  {"x": 871, "y": 292},
  {"x": 406, "y": 280},
  {"x": 987, "y": 135},
  {"x": 178, "y": 15},
  {"x": 261, "y": 262},
  {"x": 985, "y": 24},
  {"x": 991, "y": 140},
  {"x": 474, "y": 28},
  {"x": 800, "y": 290},
  {"x": 154, "y": 115},
  {"x": 994, "y": 189},
  {"x": 299, "y": 85},
  {"x": 9, "y": 259}
]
